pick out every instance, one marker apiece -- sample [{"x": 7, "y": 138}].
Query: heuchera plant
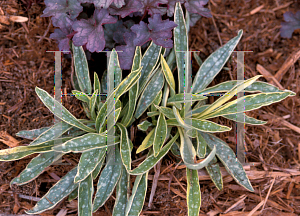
[
  {"x": 292, "y": 22},
  {"x": 106, "y": 28}
]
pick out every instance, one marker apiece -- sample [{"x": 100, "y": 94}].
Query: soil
[{"x": 272, "y": 150}]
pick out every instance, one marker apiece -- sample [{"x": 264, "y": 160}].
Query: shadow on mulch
[{"x": 273, "y": 150}]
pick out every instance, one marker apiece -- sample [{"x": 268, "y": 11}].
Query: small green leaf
[
  {"x": 248, "y": 120},
  {"x": 150, "y": 92},
  {"x": 86, "y": 142},
  {"x": 168, "y": 74},
  {"x": 201, "y": 146},
  {"x": 73, "y": 195},
  {"x": 97, "y": 170},
  {"x": 56, "y": 193},
  {"x": 193, "y": 194},
  {"x": 180, "y": 98},
  {"x": 36, "y": 166},
  {"x": 32, "y": 134},
  {"x": 147, "y": 142},
  {"x": 213, "y": 64},
  {"x": 208, "y": 126},
  {"x": 168, "y": 112},
  {"x": 121, "y": 194},
  {"x": 136, "y": 201},
  {"x": 160, "y": 134},
  {"x": 81, "y": 69},
  {"x": 151, "y": 160},
  {"x": 215, "y": 175},
  {"x": 180, "y": 46},
  {"x": 114, "y": 67},
  {"x": 88, "y": 163},
  {"x": 85, "y": 195},
  {"x": 66, "y": 116},
  {"x": 144, "y": 125},
  {"x": 198, "y": 59},
  {"x": 228, "y": 158},
  {"x": 92, "y": 105},
  {"x": 109, "y": 177},
  {"x": 125, "y": 146},
  {"x": 81, "y": 96}
]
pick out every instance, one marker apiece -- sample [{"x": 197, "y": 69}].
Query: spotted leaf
[
  {"x": 160, "y": 134},
  {"x": 193, "y": 193},
  {"x": 85, "y": 195},
  {"x": 125, "y": 149}
]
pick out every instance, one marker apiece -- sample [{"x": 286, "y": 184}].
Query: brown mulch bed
[{"x": 273, "y": 150}]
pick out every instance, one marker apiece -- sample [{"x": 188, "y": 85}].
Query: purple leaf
[
  {"x": 90, "y": 32},
  {"x": 153, "y": 6},
  {"x": 142, "y": 33},
  {"x": 171, "y": 6},
  {"x": 104, "y": 3},
  {"x": 196, "y": 6},
  {"x": 194, "y": 17},
  {"x": 292, "y": 22},
  {"x": 126, "y": 57},
  {"x": 57, "y": 7},
  {"x": 109, "y": 30},
  {"x": 130, "y": 7}
]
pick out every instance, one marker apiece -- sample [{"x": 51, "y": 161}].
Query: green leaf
[
  {"x": 180, "y": 98},
  {"x": 85, "y": 195},
  {"x": 149, "y": 60},
  {"x": 168, "y": 112},
  {"x": 86, "y": 142},
  {"x": 36, "y": 166},
  {"x": 114, "y": 68},
  {"x": 19, "y": 152},
  {"x": 193, "y": 193},
  {"x": 198, "y": 59},
  {"x": 228, "y": 158},
  {"x": 125, "y": 146},
  {"x": 109, "y": 177},
  {"x": 88, "y": 163},
  {"x": 144, "y": 125},
  {"x": 168, "y": 74},
  {"x": 180, "y": 46},
  {"x": 66, "y": 116},
  {"x": 250, "y": 102},
  {"x": 152, "y": 114},
  {"x": 230, "y": 94},
  {"x": 147, "y": 142},
  {"x": 160, "y": 134},
  {"x": 97, "y": 86},
  {"x": 97, "y": 170},
  {"x": 208, "y": 126},
  {"x": 73, "y": 195},
  {"x": 81, "y": 69},
  {"x": 180, "y": 120},
  {"x": 151, "y": 160},
  {"x": 248, "y": 120},
  {"x": 32, "y": 134},
  {"x": 56, "y": 193},
  {"x": 213, "y": 64},
  {"x": 104, "y": 85},
  {"x": 215, "y": 175},
  {"x": 121, "y": 194},
  {"x": 81, "y": 96},
  {"x": 136, "y": 201},
  {"x": 175, "y": 150},
  {"x": 92, "y": 105},
  {"x": 150, "y": 92},
  {"x": 201, "y": 146}
]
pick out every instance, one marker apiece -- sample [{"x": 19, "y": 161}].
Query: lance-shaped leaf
[
  {"x": 133, "y": 92},
  {"x": 198, "y": 59},
  {"x": 180, "y": 120},
  {"x": 19, "y": 152},
  {"x": 136, "y": 201},
  {"x": 193, "y": 193},
  {"x": 201, "y": 146},
  {"x": 213, "y": 64},
  {"x": 151, "y": 114},
  {"x": 230, "y": 94},
  {"x": 97, "y": 170},
  {"x": 168, "y": 74},
  {"x": 86, "y": 142},
  {"x": 160, "y": 134},
  {"x": 56, "y": 193},
  {"x": 151, "y": 160},
  {"x": 228, "y": 158},
  {"x": 248, "y": 120},
  {"x": 97, "y": 86},
  {"x": 114, "y": 67},
  {"x": 81, "y": 69},
  {"x": 147, "y": 142},
  {"x": 125, "y": 146},
  {"x": 180, "y": 45},
  {"x": 149, "y": 94},
  {"x": 88, "y": 163},
  {"x": 250, "y": 102},
  {"x": 180, "y": 98},
  {"x": 36, "y": 166},
  {"x": 85, "y": 195},
  {"x": 92, "y": 105},
  {"x": 66, "y": 116},
  {"x": 121, "y": 194},
  {"x": 144, "y": 125},
  {"x": 208, "y": 126},
  {"x": 81, "y": 96},
  {"x": 32, "y": 134},
  {"x": 73, "y": 195},
  {"x": 188, "y": 153},
  {"x": 168, "y": 112},
  {"x": 109, "y": 177},
  {"x": 149, "y": 60},
  {"x": 215, "y": 175}
]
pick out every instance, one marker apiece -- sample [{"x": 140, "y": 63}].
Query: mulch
[{"x": 272, "y": 150}]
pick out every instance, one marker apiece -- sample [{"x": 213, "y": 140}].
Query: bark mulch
[{"x": 272, "y": 150}]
